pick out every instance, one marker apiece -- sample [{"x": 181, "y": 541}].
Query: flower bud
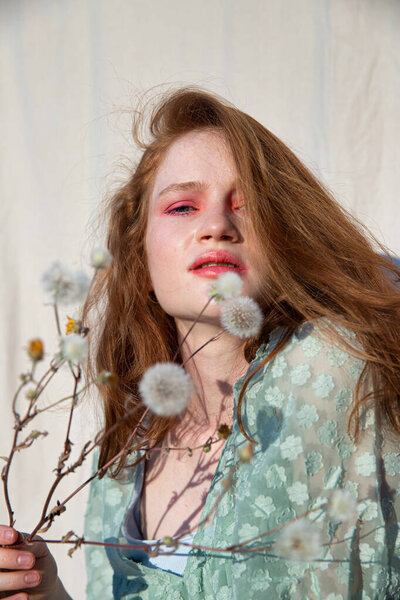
[
  {"x": 35, "y": 349},
  {"x": 246, "y": 453},
  {"x": 107, "y": 378},
  {"x": 100, "y": 258},
  {"x": 169, "y": 541},
  {"x": 224, "y": 431}
]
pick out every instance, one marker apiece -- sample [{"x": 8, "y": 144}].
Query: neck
[{"x": 214, "y": 371}]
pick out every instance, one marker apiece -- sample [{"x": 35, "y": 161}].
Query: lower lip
[{"x": 215, "y": 271}]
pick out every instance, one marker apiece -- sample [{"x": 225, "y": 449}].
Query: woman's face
[{"x": 195, "y": 227}]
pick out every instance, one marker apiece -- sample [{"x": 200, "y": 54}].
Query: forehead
[{"x": 195, "y": 156}]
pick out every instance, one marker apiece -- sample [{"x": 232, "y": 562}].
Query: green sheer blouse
[{"x": 296, "y": 409}]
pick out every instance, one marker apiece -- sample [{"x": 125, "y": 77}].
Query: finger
[
  {"x": 8, "y": 535},
  {"x": 15, "y": 559},
  {"x": 22, "y": 596},
  {"x": 36, "y": 546},
  {"x": 15, "y": 580}
]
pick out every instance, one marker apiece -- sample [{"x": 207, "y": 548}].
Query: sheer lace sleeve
[
  {"x": 98, "y": 568},
  {"x": 298, "y": 410}
]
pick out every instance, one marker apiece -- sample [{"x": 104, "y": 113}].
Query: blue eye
[{"x": 183, "y": 209}]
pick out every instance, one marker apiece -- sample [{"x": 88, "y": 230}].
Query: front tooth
[{"x": 214, "y": 264}]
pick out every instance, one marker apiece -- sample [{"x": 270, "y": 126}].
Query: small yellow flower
[
  {"x": 73, "y": 326},
  {"x": 224, "y": 431},
  {"x": 35, "y": 349},
  {"x": 246, "y": 453}
]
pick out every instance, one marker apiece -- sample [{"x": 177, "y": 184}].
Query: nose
[{"x": 218, "y": 223}]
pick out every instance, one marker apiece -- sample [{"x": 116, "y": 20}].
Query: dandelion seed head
[
  {"x": 63, "y": 285},
  {"x": 100, "y": 257},
  {"x": 166, "y": 389},
  {"x": 341, "y": 506},
  {"x": 228, "y": 285},
  {"x": 242, "y": 317},
  {"x": 300, "y": 540},
  {"x": 74, "y": 348}
]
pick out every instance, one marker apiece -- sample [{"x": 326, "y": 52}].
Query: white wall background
[{"x": 324, "y": 75}]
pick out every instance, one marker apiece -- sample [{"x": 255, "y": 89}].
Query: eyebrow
[{"x": 184, "y": 186}]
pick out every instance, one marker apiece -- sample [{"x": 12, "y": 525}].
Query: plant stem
[
  {"x": 67, "y": 443},
  {"x": 60, "y": 476},
  {"x": 4, "y": 476},
  {"x": 40, "y": 410},
  {"x": 57, "y": 318},
  {"x": 215, "y": 337},
  {"x": 190, "y": 329}
]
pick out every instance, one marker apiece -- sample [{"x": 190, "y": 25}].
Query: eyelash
[{"x": 175, "y": 210}]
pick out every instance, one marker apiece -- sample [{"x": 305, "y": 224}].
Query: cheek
[
  {"x": 158, "y": 248},
  {"x": 161, "y": 258}
]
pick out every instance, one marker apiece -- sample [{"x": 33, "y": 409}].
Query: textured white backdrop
[{"x": 324, "y": 75}]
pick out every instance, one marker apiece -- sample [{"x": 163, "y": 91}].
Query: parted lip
[{"x": 218, "y": 256}]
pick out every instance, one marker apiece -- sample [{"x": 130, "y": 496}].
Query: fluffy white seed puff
[
  {"x": 341, "y": 506},
  {"x": 100, "y": 258},
  {"x": 228, "y": 285},
  {"x": 74, "y": 348},
  {"x": 166, "y": 389},
  {"x": 63, "y": 285},
  {"x": 300, "y": 540},
  {"x": 242, "y": 317}
]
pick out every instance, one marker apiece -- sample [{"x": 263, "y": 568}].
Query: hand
[{"x": 25, "y": 568}]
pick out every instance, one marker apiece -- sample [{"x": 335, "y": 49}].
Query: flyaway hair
[{"x": 321, "y": 263}]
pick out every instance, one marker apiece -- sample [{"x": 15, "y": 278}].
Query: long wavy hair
[{"x": 321, "y": 263}]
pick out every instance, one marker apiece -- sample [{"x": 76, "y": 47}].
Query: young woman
[{"x": 316, "y": 391}]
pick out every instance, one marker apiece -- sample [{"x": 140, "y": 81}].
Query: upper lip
[{"x": 218, "y": 256}]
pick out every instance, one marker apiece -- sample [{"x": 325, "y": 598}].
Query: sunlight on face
[{"x": 196, "y": 226}]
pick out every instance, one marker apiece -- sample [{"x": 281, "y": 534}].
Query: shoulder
[
  {"x": 316, "y": 348},
  {"x": 311, "y": 379}
]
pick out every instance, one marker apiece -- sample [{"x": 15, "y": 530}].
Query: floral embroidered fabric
[{"x": 296, "y": 409}]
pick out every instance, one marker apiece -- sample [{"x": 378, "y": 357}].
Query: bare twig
[
  {"x": 61, "y": 505},
  {"x": 215, "y": 337},
  {"x": 190, "y": 329},
  {"x": 56, "y": 315},
  {"x": 41, "y": 410}
]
